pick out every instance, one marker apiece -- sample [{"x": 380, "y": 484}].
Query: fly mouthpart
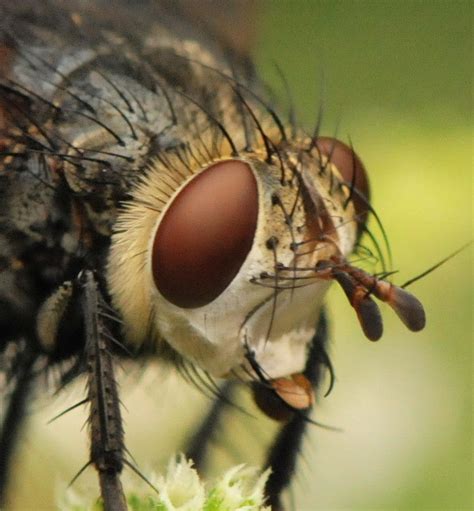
[{"x": 279, "y": 399}]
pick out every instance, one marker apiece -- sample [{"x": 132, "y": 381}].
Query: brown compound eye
[
  {"x": 206, "y": 234},
  {"x": 352, "y": 170}
]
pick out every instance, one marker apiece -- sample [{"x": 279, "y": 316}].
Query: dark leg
[
  {"x": 106, "y": 431},
  {"x": 14, "y": 417},
  {"x": 198, "y": 444},
  {"x": 283, "y": 454}
]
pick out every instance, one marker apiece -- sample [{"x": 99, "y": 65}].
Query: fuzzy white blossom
[
  {"x": 181, "y": 489},
  {"x": 241, "y": 488}
]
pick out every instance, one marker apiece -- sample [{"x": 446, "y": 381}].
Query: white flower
[
  {"x": 239, "y": 489},
  {"x": 181, "y": 489},
  {"x": 70, "y": 499}
]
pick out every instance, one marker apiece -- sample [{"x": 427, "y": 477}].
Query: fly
[{"x": 154, "y": 204}]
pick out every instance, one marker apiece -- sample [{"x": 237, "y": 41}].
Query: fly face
[
  {"x": 224, "y": 260},
  {"x": 234, "y": 255}
]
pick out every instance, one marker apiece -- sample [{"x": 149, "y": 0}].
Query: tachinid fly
[{"x": 154, "y": 204}]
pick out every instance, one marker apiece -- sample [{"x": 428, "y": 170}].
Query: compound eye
[
  {"x": 352, "y": 170},
  {"x": 206, "y": 234}
]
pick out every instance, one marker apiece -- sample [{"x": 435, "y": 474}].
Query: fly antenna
[{"x": 435, "y": 266}]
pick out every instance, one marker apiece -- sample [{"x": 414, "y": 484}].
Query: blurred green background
[{"x": 397, "y": 78}]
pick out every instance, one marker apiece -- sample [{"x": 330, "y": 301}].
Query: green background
[{"x": 395, "y": 77}]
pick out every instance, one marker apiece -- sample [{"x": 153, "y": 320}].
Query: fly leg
[
  {"x": 14, "y": 414},
  {"x": 18, "y": 354},
  {"x": 105, "y": 420},
  {"x": 198, "y": 445},
  {"x": 283, "y": 453}
]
